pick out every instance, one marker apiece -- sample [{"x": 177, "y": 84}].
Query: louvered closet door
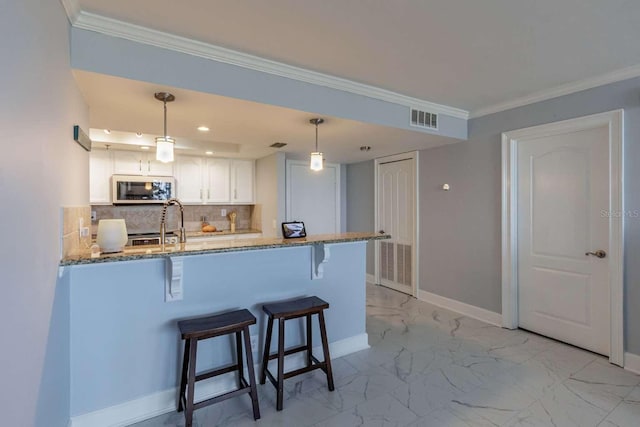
[{"x": 395, "y": 217}]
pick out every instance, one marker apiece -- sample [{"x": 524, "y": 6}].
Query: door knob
[{"x": 599, "y": 253}]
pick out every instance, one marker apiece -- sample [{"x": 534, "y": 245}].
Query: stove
[{"x": 151, "y": 239}]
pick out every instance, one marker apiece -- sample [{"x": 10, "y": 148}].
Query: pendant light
[
  {"x": 164, "y": 144},
  {"x": 316, "y": 157}
]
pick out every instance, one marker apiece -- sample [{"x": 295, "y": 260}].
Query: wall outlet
[
  {"x": 94, "y": 215},
  {"x": 254, "y": 343},
  {"x": 274, "y": 225},
  {"x": 223, "y": 212},
  {"x": 84, "y": 231}
]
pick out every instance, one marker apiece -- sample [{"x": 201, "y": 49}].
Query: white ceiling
[
  {"x": 469, "y": 54},
  {"x": 237, "y": 128}
]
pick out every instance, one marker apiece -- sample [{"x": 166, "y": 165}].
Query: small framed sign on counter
[{"x": 293, "y": 230}]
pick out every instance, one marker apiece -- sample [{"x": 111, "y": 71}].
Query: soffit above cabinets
[{"x": 238, "y": 128}]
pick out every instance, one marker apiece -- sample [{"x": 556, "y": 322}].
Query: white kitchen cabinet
[
  {"x": 214, "y": 180},
  {"x": 242, "y": 181},
  {"x": 189, "y": 179},
  {"x": 100, "y": 171},
  {"x": 136, "y": 163}
]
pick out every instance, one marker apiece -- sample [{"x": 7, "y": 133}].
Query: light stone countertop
[{"x": 211, "y": 247}]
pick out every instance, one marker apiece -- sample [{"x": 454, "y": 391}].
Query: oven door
[{"x": 141, "y": 189}]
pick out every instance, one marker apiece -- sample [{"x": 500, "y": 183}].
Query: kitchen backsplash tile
[
  {"x": 146, "y": 219},
  {"x": 70, "y": 241}
]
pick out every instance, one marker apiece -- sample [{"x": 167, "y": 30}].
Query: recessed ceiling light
[
  {"x": 365, "y": 148},
  {"x": 278, "y": 144},
  {"x": 144, "y": 147},
  {"x": 203, "y": 129},
  {"x": 139, "y": 134},
  {"x": 107, "y": 131},
  {"x": 208, "y": 153}
]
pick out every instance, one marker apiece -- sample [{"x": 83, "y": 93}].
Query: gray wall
[
  {"x": 41, "y": 170},
  {"x": 460, "y": 229},
  {"x": 460, "y": 237},
  {"x": 360, "y": 203}
]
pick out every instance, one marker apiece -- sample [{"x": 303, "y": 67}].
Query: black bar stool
[
  {"x": 292, "y": 310},
  {"x": 194, "y": 330}
]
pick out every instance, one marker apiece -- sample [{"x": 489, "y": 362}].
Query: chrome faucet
[{"x": 163, "y": 225}]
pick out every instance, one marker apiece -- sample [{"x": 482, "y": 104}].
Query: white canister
[{"x": 112, "y": 235}]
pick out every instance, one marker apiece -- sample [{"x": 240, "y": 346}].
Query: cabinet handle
[
  {"x": 201, "y": 194},
  {"x": 148, "y": 165},
  {"x": 235, "y": 193},
  {"x": 140, "y": 168},
  {"x": 208, "y": 193}
]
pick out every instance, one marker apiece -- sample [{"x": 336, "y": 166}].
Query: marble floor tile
[
  {"x": 560, "y": 406},
  {"x": 602, "y": 384},
  {"x": 490, "y": 405},
  {"x": 431, "y": 367},
  {"x": 431, "y": 392},
  {"x": 383, "y": 411},
  {"x": 352, "y": 391},
  {"x": 564, "y": 360},
  {"x": 627, "y": 413}
]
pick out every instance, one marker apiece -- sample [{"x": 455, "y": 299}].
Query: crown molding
[
  {"x": 566, "y": 89},
  {"x": 136, "y": 33},
  {"x": 72, "y": 7}
]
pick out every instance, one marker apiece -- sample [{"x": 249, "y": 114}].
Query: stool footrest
[
  {"x": 216, "y": 372},
  {"x": 290, "y": 351},
  {"x": 303, "y": 370},
  {"x": 221, "y": 398},
  {"x": 316, "y": 365}
]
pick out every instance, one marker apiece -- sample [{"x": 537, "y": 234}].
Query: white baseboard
[
  {"x": 371, "y": 278},
  {"x": 468, "y": 310},
  {"x": 162, "y": 402},
  {"x": 632, "y": 363}
]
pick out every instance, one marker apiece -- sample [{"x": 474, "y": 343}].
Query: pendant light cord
[
  {"x": 165, "y": 118},
  {"x": 316, "y": 137}
]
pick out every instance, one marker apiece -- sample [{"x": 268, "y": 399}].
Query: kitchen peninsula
[{"x": 124, "y": 345}]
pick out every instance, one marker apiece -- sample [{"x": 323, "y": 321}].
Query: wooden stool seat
[
  {"x": 296, "y": 308},
  {"x": 302, "y": 307},
  {"x": 193, "y": 330},
  {"x": 218, "y": 324}
]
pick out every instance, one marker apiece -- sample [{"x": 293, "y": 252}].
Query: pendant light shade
[
  {"x": 317, "y": 160},
  {"x": 164, "y": 144}
]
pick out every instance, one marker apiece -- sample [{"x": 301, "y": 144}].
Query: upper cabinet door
[
  {"x": 128, "y": 163},
  {"x": 155, "y": 167},
  {"x": 217, "y": 181},
  {"x": 135, "y": 163},
  {"x": 100, "y": 170},
  {"x": 189, "y": 181},
  {"x": 242, "y": 181}
]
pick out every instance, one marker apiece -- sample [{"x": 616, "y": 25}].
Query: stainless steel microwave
[{"x": 131, "y": 189}]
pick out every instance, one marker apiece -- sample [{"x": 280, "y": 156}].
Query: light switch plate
[{"x": 223, "y": 212}]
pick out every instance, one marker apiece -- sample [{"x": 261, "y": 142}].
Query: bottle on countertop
[{"x": 232, "y": 217}]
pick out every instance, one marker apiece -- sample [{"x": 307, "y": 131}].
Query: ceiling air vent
[
  {"x": 424, "y": 119},
  {"x": 278, "y": 144}
]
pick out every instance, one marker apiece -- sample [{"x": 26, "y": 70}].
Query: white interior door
[
  {"x": 563, "y": 198},
  {"x": 314, "y": 197},
  {"x": 395, "y": 216}
]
